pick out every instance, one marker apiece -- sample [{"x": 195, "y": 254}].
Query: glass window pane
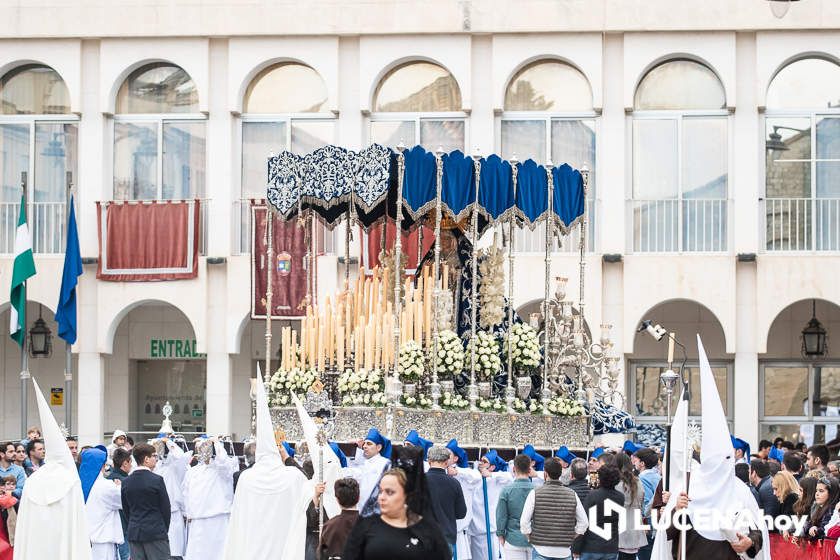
[
  {"x": 651, "y": 398},
  {"x": 548, "y": 85},
  {"x": 828, "y": 138},
  {"x": 795, "y": 86},
  {"x": 135, "y": 160},
  {"x": 446, "y": 134},
  {"x": 680, "y": 84},
  {"x": 33, "y": 90},
  {"x": 524, "y": 139},
  {"x": 655, "y": 167},
  {"x": 827, "y": 391},
  {"x": 391, "y": 133},
  {"x": 158, "y": 88},
  {"x": 14, "y": 145},
  {"x": 809, "y": 433},
  {"x": 788, "y": 167},
  {"x": 785, "y": 390},
  {"x": 184, "y": 153},
  {"x": 418, "y": 87},
  {"x": 286, "y": 88},
  {"x": 573, "y": 142},
  {"x": 56, "y": 146},
  {"x": 259, "y": 139},
  {"x": 311, "y": 135},
  {"x": 704, "y": 168}
]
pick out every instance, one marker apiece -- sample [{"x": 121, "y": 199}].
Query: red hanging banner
[{"x": 288, "y": 278}]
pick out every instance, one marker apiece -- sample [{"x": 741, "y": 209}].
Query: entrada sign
[{"x": 173, "y": 348}]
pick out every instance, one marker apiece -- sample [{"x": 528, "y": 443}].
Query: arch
[
  {"x": 117, "y": 318},
  {"x": 137, "y": 65},
  {"x": 537, "y": 60},
  {"x": 405, "y": 62},
  {"x": 658, "y": 315},
  {"x": 24, "y": 69},
  {"x": 678, "y": 57},
  {"x": 235, "y": 332},
  {"x": 792, "y": 61},
  {"x": 797, "y": 313},
  {"x": 257, "y": 70}
]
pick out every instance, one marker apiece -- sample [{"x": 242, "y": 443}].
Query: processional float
[{"x": 402, "y": 352}]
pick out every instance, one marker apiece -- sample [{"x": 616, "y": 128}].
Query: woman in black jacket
[
  {"x": 608, "y": 478},
  {"x": 400, "y": 530}
]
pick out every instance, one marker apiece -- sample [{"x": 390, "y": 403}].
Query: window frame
[
  {"x": 32, "y": 121},
  {"x": 813, "y": 115},
  {"x": 679, "y": 115},
  {"x": 159, "y": 119},
  {"x": 548, "y": 118},
  {"x": 633, "y": 364},
  {"x": 417, "y": 118},
  {"x": 809, "y": 418}
]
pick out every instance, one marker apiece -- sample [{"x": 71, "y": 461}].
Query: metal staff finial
[
  {"x": 473, "y": 388},
  {"x": 545, "y": 393},
  {"x": 435, "y": 387},
  {"x": 510, "y": 392}
]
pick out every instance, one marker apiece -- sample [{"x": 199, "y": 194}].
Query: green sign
[
  {"x": 197, "y": 413},
  {"x": 173, "y": 348}
]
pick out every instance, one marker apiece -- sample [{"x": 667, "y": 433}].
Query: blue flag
[{"x": 65, "y": 314}]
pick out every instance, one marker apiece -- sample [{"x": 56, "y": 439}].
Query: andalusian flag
[{"x": 23, "y": 270}]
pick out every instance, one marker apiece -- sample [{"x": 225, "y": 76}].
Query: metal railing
[
  {"x": 673, "y": 225},
  {"x": 47, "y": 226},
  {"x": 528, "y": 241},
  {"x": 801, "y": 224},
  {"x": 241, "y": 229}
]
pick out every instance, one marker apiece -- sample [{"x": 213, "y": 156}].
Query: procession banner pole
[
  {"x": 68, "y": 355},
  {"x": 269, "y": 290},
  {"x": 436, "y": 293},
  {"x": 549, "y": 221},
  {"x": 510, "y": 393},
  {"x": 473, "y": 389}
]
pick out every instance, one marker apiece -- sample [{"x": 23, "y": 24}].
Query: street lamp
[
  {"x": 775, "y": 142},
  {"x": 40, "y": 338},
  {"x": 814, "y": 336}
]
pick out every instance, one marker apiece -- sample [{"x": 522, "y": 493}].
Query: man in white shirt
[
  {"x": 374, "y": 459},
  {"x": 208, "y": 495},
  {"x": 549, "y": 532}
]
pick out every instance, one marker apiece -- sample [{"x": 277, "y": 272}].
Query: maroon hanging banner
[
  {"x": 288, "y": 278},
  {"x": 410, "y": 243},
  {"x": 147, "y": 241}
]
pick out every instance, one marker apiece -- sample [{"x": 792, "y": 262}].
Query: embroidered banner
[
  {"x": 147, "y": 241},
  {"x": 288, "y": 278}
]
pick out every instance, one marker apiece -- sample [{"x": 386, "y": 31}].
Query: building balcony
[
  {"x": 680, "y": 226},
  {"x": 801, "y": 224}
]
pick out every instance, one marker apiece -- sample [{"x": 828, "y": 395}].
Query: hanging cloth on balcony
[
  {"x": 569, "y": 197},
  {"x": 532, "y": 192}
]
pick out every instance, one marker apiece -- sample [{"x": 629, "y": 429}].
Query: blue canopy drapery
[{"x": 332, "y": 181}]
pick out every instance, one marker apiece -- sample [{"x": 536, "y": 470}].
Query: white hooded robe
[
  {"x": 103, "y": 514},
  {"x": 52, "y": 523}
]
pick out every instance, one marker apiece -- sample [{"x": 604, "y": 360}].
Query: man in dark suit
[
  {"x": 146, "y": 506},
  {"x": 447, "y": 497}
]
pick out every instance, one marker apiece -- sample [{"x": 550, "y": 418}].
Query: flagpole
[
  {"x": 68, "y": 355},
  {"x": 24, "y": 362}
]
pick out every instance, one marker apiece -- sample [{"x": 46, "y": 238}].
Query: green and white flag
[{"x": 24, "y": 269}]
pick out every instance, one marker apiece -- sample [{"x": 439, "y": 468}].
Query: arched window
[
  {"x": 159, "y": 136},
  {"x": 418, "y": 103},
  {"x": 548, "y": 114},
  {"x": 35, "y": 103},
  {"x": 802, "y": 166},
  {"x": 285, "y": 108},
  {"x": 680, "y": 160}
]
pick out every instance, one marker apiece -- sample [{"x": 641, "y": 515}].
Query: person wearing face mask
[{"x": 400, "y": 530}]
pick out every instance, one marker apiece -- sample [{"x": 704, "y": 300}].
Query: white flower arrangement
[
  {"x": 525, "y": 347},
  {"x": 564, "y": 406},
  {"x": 418, "y": 400},
  {"x": 362, "y": 388},
  {"x": 283, "y": 383},
  {"x": 450, "y": 352},
  {"x": 411, "y": 362},
  {"x": 453, "y": 401},
  {"x": 487, "y": 360},
  {"x": 491, "y": 405},
  {"x": 519, "y": 406}
]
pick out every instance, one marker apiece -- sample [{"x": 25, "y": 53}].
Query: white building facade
[{"x": 714, "y": 204}]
